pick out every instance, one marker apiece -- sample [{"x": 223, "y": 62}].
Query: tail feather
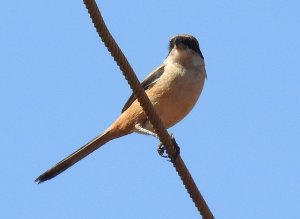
[{"x": 76, "y": 156}]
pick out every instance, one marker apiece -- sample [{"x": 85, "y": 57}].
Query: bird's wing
[{"x": 148, "y": 82}]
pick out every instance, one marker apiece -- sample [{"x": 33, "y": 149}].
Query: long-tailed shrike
[{"x": 173, "y": 88}]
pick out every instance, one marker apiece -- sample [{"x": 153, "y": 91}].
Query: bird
[{"x": 173, "y": 89}]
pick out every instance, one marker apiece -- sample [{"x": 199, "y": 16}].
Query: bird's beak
[{"x": 180, "y": 45}]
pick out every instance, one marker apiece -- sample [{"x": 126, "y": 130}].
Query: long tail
[{"x": 78, "y": 155}]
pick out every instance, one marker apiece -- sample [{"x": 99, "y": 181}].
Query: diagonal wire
[{"x": 145, "y": 103}]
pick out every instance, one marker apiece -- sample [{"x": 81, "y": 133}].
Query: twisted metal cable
[{"x": 145, "y": 103}]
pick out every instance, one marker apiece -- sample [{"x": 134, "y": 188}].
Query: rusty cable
[{"x": 149, "y": 110}]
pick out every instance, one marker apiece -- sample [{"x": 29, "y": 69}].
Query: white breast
[{"x": 178, "y": 89}]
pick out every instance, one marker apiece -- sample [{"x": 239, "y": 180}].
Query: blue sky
[{"x": 59, "y": 88}]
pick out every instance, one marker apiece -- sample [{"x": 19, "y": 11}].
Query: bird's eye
[
  {"x": 178, "y": 40},
  {"x": 171, "y": 45}
]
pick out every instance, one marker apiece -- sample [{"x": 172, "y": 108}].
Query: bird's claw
[{"x": 162, "y": 150}]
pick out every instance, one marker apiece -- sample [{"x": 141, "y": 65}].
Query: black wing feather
[{"x": 149, "y": 81}]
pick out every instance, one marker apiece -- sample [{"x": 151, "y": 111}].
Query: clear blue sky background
[{"x": 59, "y": 88}]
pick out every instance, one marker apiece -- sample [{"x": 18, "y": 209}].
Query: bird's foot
[{"x": 162, "y": 150}]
